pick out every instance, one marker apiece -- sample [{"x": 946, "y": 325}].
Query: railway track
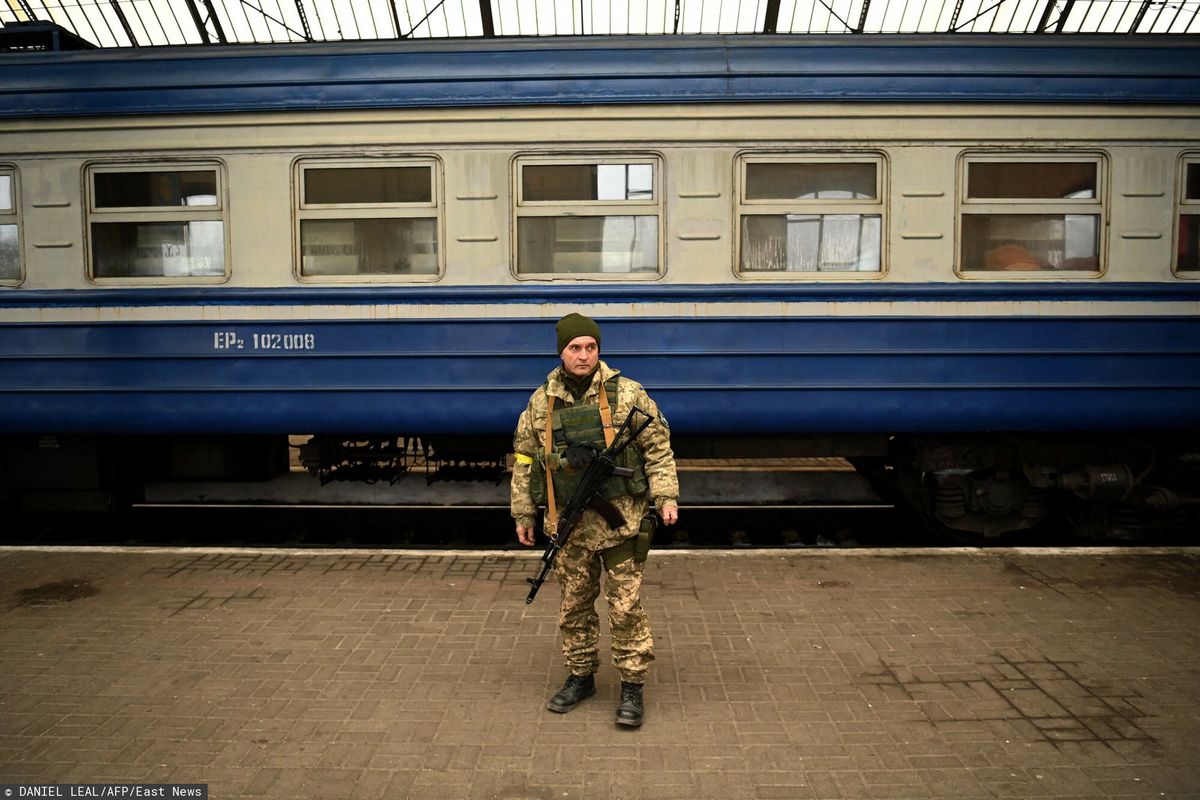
[{"x": 487, "y": 528}]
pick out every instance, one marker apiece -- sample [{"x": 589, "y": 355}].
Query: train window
[
  {"x": 584, "y": 216},
  {"x": 807, "y": 215},
  {"x": 1029, "y": 180},
  {"x": 775, "y": 181},
  {"x": 1187, "y": 256},
  {"x": 161, "y": 221},
  {"x": 362, "y": 220},
  {"x": 367, "y": 185},
  {"x": 587, "y": 182},
  {"x": 167, "y": 188},
  {"x": 1031, "y": 214},
  {"x": 10, "y": 228}
]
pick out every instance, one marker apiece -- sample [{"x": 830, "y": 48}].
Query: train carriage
[{"x": 967, "y": 264}]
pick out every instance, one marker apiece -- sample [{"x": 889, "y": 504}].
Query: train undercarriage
[
  {"x": 965, "y": 489},
  {"x": 980, "y": 489}
]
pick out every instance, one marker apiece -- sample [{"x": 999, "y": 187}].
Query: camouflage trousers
[{"x": 578, "y": 570}]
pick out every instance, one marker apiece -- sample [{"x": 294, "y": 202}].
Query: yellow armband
[{"x": 522, "y": 458}]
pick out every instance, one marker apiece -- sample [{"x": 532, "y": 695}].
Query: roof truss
[{"x": 145, "y": 23}]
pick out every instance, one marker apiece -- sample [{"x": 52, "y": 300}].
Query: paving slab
[{"x": 781, "y": 674}]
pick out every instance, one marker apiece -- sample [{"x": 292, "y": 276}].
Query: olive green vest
[{"x": 580, "y": 424}]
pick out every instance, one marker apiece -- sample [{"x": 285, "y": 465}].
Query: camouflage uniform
[{"x": 578, "y": 565}]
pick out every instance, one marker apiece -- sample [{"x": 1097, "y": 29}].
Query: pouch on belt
[{"x": 635, "y": 547}]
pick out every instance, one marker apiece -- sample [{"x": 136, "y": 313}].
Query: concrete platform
[{"x": 789, "y": 675}]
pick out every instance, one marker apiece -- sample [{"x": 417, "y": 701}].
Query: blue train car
[{"x": 968, "y": 264}]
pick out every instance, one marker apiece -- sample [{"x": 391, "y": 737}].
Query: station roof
[{"x": 80, "y": 24}]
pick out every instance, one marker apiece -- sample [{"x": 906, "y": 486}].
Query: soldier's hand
[
  {"x": 669, "y": 514},
  {"x": 525, "y": 535},
  {"x": 580, "y": 455}
]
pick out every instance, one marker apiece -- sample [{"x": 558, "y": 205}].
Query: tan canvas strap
[
  {"x": 606, "y": 417},
  {"x": 551, "y": 506}
]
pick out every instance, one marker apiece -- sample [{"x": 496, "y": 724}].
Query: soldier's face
[{"x": 580, "y": 356}]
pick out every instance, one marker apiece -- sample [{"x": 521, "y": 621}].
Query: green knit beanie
[{"x": 573, "y": 325}]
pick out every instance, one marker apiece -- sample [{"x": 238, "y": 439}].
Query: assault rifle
[{"x": 587, "y": 494}]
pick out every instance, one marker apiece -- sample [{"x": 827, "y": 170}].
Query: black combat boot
[
  {"x": 577, "y": 689},
  {"x": 631, "y": 709}
]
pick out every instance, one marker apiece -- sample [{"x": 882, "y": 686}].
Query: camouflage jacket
[{"x": 654, "y": 443}]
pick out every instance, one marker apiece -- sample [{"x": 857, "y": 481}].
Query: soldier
[{"x": 576, "y": 396}]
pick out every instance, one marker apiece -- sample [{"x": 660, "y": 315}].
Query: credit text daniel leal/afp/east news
[{"x": 195, "y": 791}]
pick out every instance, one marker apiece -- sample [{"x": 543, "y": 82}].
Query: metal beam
[
  {"x": 1062, "y": 18},
  {"x": 24, "y": 4},
  {"x": 421, "y": 22},
  {"x": 199, "y": 23},
  {"x": 1045, "y": 20},
  {"x": 862, "y": 18},
  {"x": 771, "y": 19},
  {"x": 954, "y": 16},
  {"x": 391, "y": 4},
  {"x": 485, "y": 14},
  {"x": 216, "y": 22},
  {"x": 303, "y": 20},
  {"x": 116, "y": 6},
  {"x": 1137, "y": 20}
]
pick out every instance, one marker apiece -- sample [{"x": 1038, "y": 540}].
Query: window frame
[
  {"x": 1097, "y": 206},
  {"x": 1183, "y": 205},
  {"x": 521, "y": 208},
  {"x": 434, "y": 209},
  {"x": 218, "y": 212},
  {"x": 825, "y": 206},
  {"x": 13, "y": 217}
]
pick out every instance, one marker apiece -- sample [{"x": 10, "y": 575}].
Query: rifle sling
[
  {"x": 551, "y": 506},
  {"x": 606, "y": 417}
]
